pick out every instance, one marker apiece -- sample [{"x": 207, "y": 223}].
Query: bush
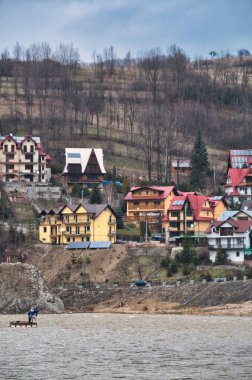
[
  {"x": 57, "y": 168},
  {"x": 88, "y": 260},
  {"x": 169, "y": 272},
  {"x": 186, "y": 270},
  {"x": 165, "y": 262},
  {"x": 174, "y": 267}
]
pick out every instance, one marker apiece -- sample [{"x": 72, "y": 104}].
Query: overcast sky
[{"x": 197, "y": 26}]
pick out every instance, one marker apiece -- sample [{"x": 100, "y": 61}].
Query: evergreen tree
[
  {"x": 221, "y": 256},
  {"x": 95, "y": 195},
  {"x": 186, "y": 255},
  {"x": 199, "y": 163}
]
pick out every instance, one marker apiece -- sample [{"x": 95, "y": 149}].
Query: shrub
[
  {"x": 174, "y": 267},
  {"x": 57, "y": 168},
  {"x": 186, "y": 270},
  {"x": 165, "y": 262}
]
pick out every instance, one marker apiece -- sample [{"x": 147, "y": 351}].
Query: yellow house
[
  {"x": 192, "y": 214},
  {"x": 79, "y": 223},
  {"x": 149, "y": 203}
]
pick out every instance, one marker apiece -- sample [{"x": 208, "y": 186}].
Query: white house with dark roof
[{"x": 84, "y": 166}]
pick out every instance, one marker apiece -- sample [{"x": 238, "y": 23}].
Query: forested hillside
[{"x": 142, "y": 111}]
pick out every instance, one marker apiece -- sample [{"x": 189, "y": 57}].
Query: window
[
  {"x": 77, "y": 230},
  {"x": 69, "y": 229},
  {"x": 175, "y": 214},
  {"x": 135, "y": 203},
  {"x": 175, "y": 225},
  {"x": 226, "y": 231},
  {"x": 75, "y": 217},
  {"x": 44, "y": 229},
  {"x": 67, "y": 218},
  {"x": 29, "y": 157},
  {"x": 110, "y": 218},
  {"x": 88, "y": 238},
  {"x": 25, "y": 148},
  {"x": 13, "y": 148},
  {"x": 237, "y": 254},
  {"x": 68, "y": 239},
  {"x": 156, "y": 202},
  {"x": 31, "y": 148},
  {"x": 146, "y": 202},
  {"x": 87, "y": 229},
  {"x": 9, "y": 167},
  {"x": 88, "y": 218},
  {"x": 28, "y": 167},
  {"x": 6, "y": 148},
  {"x": 147, "y": 192}
]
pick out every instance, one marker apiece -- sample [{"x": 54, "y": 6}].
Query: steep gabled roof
[
  {"x": 236, "y": 176},
  {"x": 197, "y": 205},
  {"x": 81, "y": 156}
]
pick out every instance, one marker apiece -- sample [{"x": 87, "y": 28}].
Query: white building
[
  {"x": 234, "y": 236},
  {"x": 22, "y": 159}
]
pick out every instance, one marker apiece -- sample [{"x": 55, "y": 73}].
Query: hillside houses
[
  {"x": 83, "y": 166},
  {"x": 149, "y": 204},
  {"x": 191, "y": 214},
  {"x": 22, "y": 159},
  {"x": 238, "y": 185},
  {"x": 78, "y": 223}
]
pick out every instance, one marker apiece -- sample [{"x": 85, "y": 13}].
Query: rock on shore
[{"x": 21, "y": 287}]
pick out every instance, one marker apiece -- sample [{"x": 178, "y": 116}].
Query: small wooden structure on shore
[{"x": 23, "y": 324}]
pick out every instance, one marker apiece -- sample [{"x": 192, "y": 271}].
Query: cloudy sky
[{"x": 197, "y": 26}]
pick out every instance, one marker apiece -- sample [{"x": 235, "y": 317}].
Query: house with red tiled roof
[
  {"x": 149, "y": 204},
  {"x": 22, "y": 159},
  {"x": 191, "y": 214},
  {"x": 240, "y": 158},
  {"x": 233, "y": 236},
  {"x": 239, "y": 184}
]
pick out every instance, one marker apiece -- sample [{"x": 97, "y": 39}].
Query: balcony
[
  {"x": 112, "y": 233},
  {"x": 226, "y": 246}
]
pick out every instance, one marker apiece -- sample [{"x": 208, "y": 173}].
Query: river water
[{"x": 117, "y": 346}]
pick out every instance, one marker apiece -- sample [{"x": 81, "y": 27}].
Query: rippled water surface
[{"x": 108, "y": 346}]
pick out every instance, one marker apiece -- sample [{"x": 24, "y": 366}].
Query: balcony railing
[{"x": 226, "y": 246}]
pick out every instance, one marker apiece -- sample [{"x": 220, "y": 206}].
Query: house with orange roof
[{"x": 149, "y": 204}]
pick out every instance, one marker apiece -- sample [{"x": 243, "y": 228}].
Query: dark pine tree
[
  {"x": 199, "y": 164},
  {"x": 221, "y": 256},
  {"x": 95, "y": 195}
]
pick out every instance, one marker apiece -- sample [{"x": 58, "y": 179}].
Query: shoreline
[{"x": 164, "y": 308}]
